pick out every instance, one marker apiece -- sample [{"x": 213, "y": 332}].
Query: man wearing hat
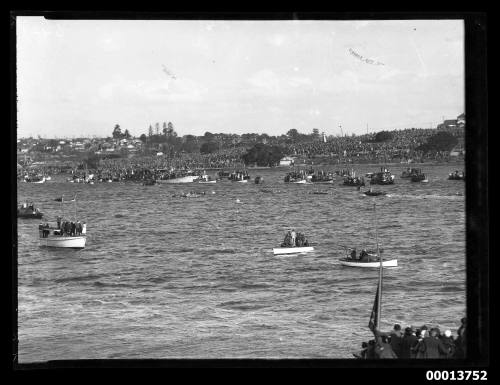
[
  {"x": 408, "y": 344},
  {"x": 396, "y": 339},
  {"x": 431, "y": 346}
]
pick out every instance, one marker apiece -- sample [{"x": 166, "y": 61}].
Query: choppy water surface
[{"x": 165, "y": 277}]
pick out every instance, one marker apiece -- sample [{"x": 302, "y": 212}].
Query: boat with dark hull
[
  {"x": 456, "y": 175},
  {"x": 28, "y": 211},
  {"x": 354, "y": 181},
  {"x": 374, "y": 193},
  {"x": 297, "y": 177},
  {"x": 383, "y": 178},
  {"x": 239, "y": 176},
  {"x": 409, "y": 172}
]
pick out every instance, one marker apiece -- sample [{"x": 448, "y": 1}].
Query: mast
[
  {"x": 62, "y": 207},
  {"x": 75, "y": 207},
  {"x": 380, "y": 275}
]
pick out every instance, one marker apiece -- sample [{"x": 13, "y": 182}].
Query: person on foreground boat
[
  {"x": 431, "y": 346},
  {"x": 417, "y": 344},
  {"x": 408, "y": 344},
  {"x": 396, "y": 338},
  {"x": 383, "y": 348}
]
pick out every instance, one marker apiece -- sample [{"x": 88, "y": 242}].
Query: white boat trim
[
  {"x": 292, "y": 250},
  {"x": 182, "y": 179},
  {"x": 388, "y": 263},
  {"x": 77, "y": 242}
]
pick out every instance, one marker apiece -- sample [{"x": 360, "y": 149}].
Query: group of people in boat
[
  {"x": 363, "y": 256},
  {"x": 239, "y": 175},
  {"x": 64, "y": 228},
  {"x": 31, "y": 207},
  {"x": 457, "y": 175},
  {"x": 295, "y": 239},
  {"x": 423, "y": 342}
]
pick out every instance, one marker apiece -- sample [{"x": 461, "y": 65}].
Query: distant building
[
  {"x": 461, "y": 120},
  {"x": 286, "y": 161},
  {"x": 449, "y": 124}
]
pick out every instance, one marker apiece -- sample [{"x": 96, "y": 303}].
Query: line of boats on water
[
  {"x": 297, "y": 176},
  {"x": 57, "y": 238}
]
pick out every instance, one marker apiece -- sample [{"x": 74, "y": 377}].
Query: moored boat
[
  {"x": 374, "y": 193},
  {"x": 355, "y": 181},
  {"x": 35, "y": 179},
  {"x": 206, "y": 179},
  {"x": 297, "y": 177},
  {"x": 176, "y": 177},
  {"x": 239, "y": 176},
  {"x": 383, "y": 177},
  {"x": 259, "y": 180},
  {"x": 456, "y": 175},
  {"x": 148, "y": 182},
  {"x": 418, "y": 176},
  {"x": 28, "y": 211},
  {"x": 409, "y": 172},
  {"x": 321, "y": 177}
]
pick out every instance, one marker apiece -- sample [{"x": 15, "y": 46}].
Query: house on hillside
[{"x": 286, "y": 161}]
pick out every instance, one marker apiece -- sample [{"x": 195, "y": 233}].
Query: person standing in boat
[
  {"x": 353, "y": 253},
  {"x": 383, "y": 348},
  {"x": 408, "y": 343},
  {"x": 59, "y": 222},
  {"x": 294, "y": 236},
  {"x": 396, "y": 339}
]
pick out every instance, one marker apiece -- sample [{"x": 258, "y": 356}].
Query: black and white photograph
[{"x": 241, "y": 189}]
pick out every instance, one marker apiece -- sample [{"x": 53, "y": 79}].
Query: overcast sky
[{"x": 80, "y": 78}]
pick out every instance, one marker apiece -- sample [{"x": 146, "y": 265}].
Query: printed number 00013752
[{"x": 456, "y": 375}]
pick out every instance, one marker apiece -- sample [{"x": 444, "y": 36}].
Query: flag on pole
[{"x": 372, "y": 324}]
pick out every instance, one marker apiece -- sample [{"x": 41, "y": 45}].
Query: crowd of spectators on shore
[
  {"x": 159, "y": 167},
  {"x": 403, "y": 146},
  {"x": 424, "y": 342}
]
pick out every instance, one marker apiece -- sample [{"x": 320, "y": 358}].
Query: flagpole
[{"x": 379, "y": 305}]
